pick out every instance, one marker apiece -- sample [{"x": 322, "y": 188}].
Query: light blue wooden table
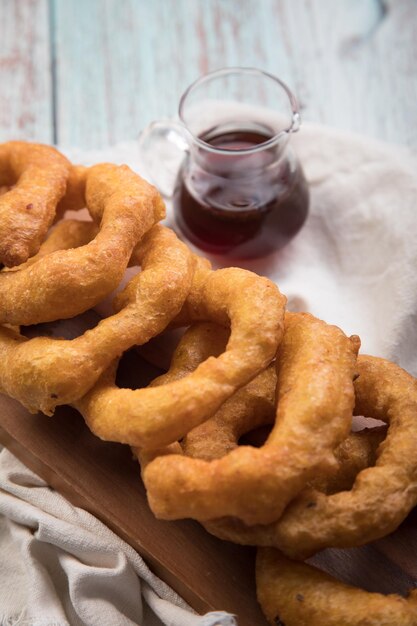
[{"x": 89, "y": 73}]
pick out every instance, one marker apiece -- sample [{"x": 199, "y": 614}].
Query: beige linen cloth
[
  {"x": 353, "y": 264},
  {"x": 60, "y": 566}
]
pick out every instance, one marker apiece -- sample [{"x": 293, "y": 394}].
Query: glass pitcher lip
[{"x": 295, "y": 121}]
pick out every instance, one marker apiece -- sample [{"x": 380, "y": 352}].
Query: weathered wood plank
[
  {"x": 25, "y": 71},
  {"x": 352, "y": 64},
  {"x": 123, "y": 63},
  {"x": 110, "y": 76}
]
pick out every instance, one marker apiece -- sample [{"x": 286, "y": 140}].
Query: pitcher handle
[{"x": 162, "y": 147}]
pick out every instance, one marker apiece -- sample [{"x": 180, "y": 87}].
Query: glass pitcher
[{"x": 237, "y": 188}]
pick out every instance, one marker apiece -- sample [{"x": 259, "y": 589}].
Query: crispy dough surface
[
  {"x": 356, "y": 453},
  {"x": 296, "y": 594},
  {"x": 251, "y": 407},
  {"x": 381, "y": 496},
  {"x": 254, "y": 406},
  {"x": 157, "y": 416},
  {"x": 36, "y": 176},
  {"x": 315, "y": 367},
  {"x": 45, "y": 372},
  {"x": 67, "y": 282}
]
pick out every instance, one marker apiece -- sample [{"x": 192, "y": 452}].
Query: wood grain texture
[
  {"x": 121, "y": 63},
  {"x": 26, "y": 106}
]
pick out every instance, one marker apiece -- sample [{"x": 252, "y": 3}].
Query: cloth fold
[{"x": 60, "y": 566}]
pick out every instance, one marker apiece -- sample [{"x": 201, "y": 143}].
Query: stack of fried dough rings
[{"x": 243, "y": 363}]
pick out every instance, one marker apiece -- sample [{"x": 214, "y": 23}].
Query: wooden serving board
[{"x": 104, "y": 479}]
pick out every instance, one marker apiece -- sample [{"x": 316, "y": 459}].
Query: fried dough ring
[
  {"x": 381, "y": 496},
  {"x": 44, "y": 372},
  {"x": 38, "y": 175},
  {"x": 68, "y": 282},
  {"x": 249, "y": 408},
  {"x": 155, "y": 417},
  {"x": 296, "y": 594},
  {"x": 315, "y": 366}
]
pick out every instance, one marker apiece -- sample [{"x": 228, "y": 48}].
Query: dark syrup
[{"x": 240, "y": 206}]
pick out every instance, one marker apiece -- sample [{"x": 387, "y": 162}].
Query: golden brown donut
[
  {"x": 315, "y": 367},
  {"x": 251, "y": 407},
  {"x": 157, "y": 416},
  {"x": 34, "y": 179},
  {"x": 45, "y": 372},
  {"x": 381, "y": 496},
  {"x": 68, "y": 282}
]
